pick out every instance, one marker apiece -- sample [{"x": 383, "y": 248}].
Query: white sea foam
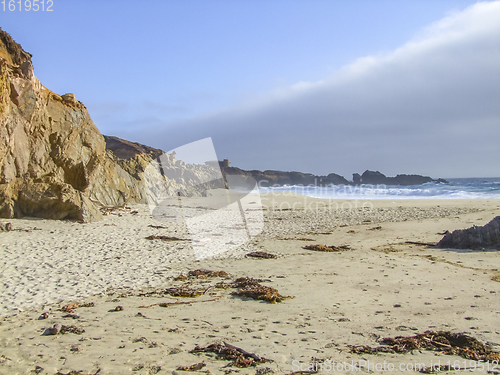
[{"x": 471, "y": 188}]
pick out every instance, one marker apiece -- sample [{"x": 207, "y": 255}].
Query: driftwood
[
  {"x": 476, "y": 238},
  {"x": 167, "y": 304},
  {"x": 328, "y": 249},
  {"x": 261, "y": 254},
  {"x": 165, "y": 238},
  {"x": 245, "y": 353},
  {"x": 106, "y": 210},
  {"x": 420, "y": 243}
]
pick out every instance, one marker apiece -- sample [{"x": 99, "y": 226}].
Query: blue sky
[{"x": 282, "y": 84}]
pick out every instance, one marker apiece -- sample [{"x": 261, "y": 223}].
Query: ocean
[{"x": 457, "y": 188}]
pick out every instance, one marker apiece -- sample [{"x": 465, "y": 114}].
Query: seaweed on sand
[
  {"x": 203, "y": 273},
  {"x": 443, "y": 341},
  {"x": 195, "y": 367},
  {"x": 238, "y": 356},
  {"x": 329, "y": 249},
  {"x": 71, "y": 329},
  {"x": 62, "y": 329},
  {"x": 175, "y": 291},
  {"x": 72, "y": 306},
  {"x": 249, "y": 287},
  {"x": 184, "y": 291}
]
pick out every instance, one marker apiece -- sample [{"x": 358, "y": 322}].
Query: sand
[{"x": 381, "y": 287}]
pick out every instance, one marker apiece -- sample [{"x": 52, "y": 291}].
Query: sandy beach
[{"x": 379, "y": 286}]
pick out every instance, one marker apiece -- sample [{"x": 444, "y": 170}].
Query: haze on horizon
[{"x": 399, "y": 87}]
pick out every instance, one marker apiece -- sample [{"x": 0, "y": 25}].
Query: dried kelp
[
  {"x": 238, "y": 356},
  {"x": 176, "y": 291},
  {"x": 69, "y": 308},
  {"x": 72, "y": 306},
  {"x": 71, "y": 329},
  {"x": 195, "y": 367},
  {"x": 62, "y": 329},
  {"x": 443, "y": 341},
  {"x": 251, "y": 288},
  {"x": 329, "y": 249},
  {"x": 261, "y": 254},
  {"x": 223, "y": 285},
  {"x": 203, "y": 273},
  {"x": 184, "y": 291}
]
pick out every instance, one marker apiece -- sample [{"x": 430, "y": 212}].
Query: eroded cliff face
[{"x": 54, "y": 162}]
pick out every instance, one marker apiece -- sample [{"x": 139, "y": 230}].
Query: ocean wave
[{"x": 456, "y": 189}]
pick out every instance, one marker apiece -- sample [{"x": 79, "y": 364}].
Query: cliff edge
[{"x": 54, "y": 162}]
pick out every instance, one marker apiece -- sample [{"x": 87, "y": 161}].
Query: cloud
[{"x": 429, "y": 107}]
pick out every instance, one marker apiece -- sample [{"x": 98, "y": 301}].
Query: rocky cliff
[{"x": 54, "y": 162}]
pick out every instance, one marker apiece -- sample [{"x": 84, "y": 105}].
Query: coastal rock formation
[
  {"x": 270, "y": 178},
  {"x": 54, "y": 162},
  {"x": 377, "y": 178},
  {"x": 476, "y": 238}
]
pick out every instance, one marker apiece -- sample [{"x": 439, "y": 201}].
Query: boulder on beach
[{"x": 475, "y": 238}]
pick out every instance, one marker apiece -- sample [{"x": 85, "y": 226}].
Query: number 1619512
[{"x": 27, "y": 5}]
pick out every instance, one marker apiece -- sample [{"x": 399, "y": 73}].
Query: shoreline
[{"x": 340, "y": 298}]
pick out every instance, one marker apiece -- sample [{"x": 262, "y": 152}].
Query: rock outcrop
[
  {"x": 377, "y": 178},
  {"x": 475, "y": 238},
  {"x": 269, "y": 178},
  {"x": 54, "y": 162}
]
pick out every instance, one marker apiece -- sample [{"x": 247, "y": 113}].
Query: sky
[{"x": 319, "y": 86}]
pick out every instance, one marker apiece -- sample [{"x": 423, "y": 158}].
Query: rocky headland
[
  {"x": 269, "y": 177},
  {"x": 377, "y": 178},
  {"x": 272, "y": 178}
]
